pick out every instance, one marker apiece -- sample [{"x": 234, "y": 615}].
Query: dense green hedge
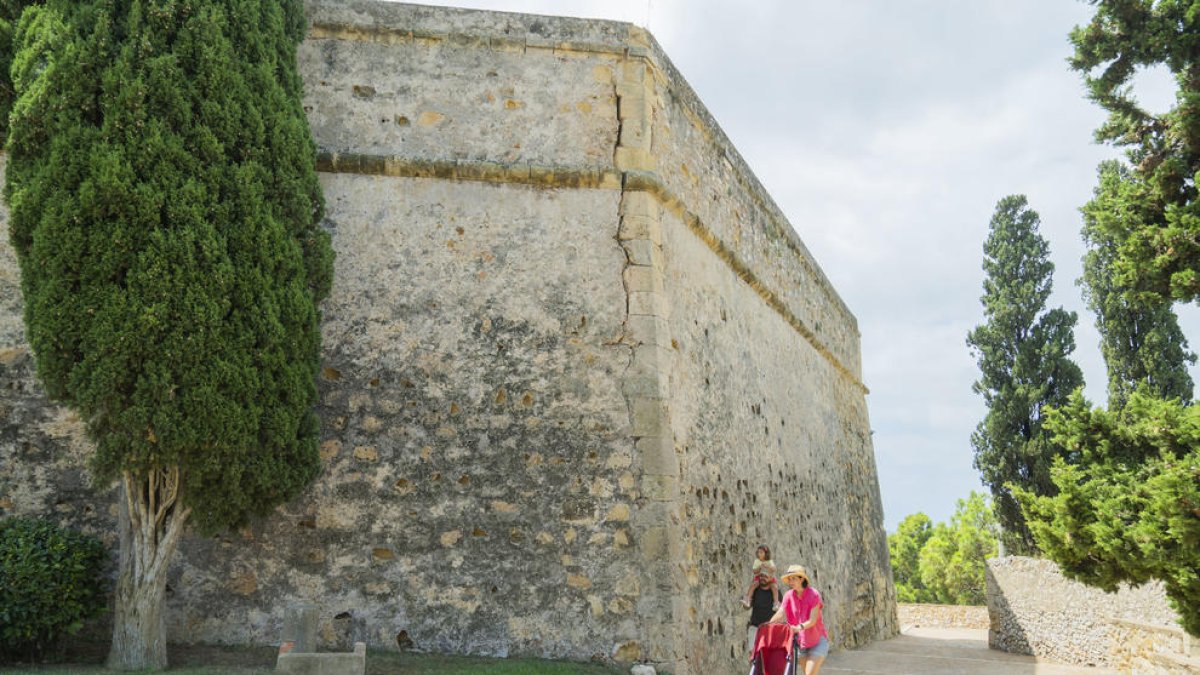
[{"x": 51, "y": 581}]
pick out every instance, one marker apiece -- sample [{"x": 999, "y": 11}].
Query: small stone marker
[
  {"x": 642, "y": 669},
  {"x": 338, "y": 663},
  {"x": 299, "y": 630}
]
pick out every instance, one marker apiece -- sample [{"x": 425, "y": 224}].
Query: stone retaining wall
[
  {"x": 943, "y": 616},
  {"x": 576, "y": 366},
  {"x": 1035, "y": 610}
]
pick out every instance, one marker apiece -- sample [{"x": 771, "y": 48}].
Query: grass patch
[{"x": 220, "y": 660}]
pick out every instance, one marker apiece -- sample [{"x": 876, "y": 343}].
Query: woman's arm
[
  {"x": 778, "y": 616},
  {"x": 813, "y": 618}
]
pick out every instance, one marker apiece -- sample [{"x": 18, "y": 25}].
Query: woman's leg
[{"x": 816, "y": 657}]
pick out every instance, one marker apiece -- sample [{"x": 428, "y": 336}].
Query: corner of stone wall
[{"x": 656, "y": 523}]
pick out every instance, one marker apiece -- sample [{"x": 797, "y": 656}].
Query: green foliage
[
  {"x": 164, "y": 210},
  {"x": 1128, "y": 506},
  {"x": 953, "y": 560},
  {"x": 10, "y": 13},
  {"x": 944, "y": 563},
  {"x": 1158, "y": 252},
  {"x": 904, "y": 549},
  {"x": 1128, "y": 502},
  {"x": 51, "y": 581},
  {"x": 1022, "y": 352},
  {"x": 1140, "y": 337}
]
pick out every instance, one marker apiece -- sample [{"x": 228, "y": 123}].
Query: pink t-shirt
[{"x": 798, "y": 607}]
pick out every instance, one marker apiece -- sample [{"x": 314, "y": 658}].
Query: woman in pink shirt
[{"x": 801, "y": 610}]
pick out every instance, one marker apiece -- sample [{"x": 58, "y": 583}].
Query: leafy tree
[
  {"x": 1128, "y": 507},
  {"x": 953, "y": 560},
  {"x": 164, "y": 211},
  {"x": 1140, "y": 337},
  {"x": 1157, "y": 253},
  {"x": 1022, "y": 352},
  {"x": 904, "y": 547}
]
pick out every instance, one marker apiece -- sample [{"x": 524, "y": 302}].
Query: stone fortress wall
[{"x": 577, "y": 365}]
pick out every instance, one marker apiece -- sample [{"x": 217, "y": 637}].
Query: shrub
[{"x": 50, "y": 583}]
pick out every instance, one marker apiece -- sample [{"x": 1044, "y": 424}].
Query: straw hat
[{"x": 795, "y": 571}]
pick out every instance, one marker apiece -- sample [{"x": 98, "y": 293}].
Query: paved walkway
[{"x": 943, "y": 651}]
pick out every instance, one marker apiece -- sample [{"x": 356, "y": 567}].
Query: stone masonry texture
[
  {"x": 577, "y": 366},
  {"x": 1034, "y": 609}
]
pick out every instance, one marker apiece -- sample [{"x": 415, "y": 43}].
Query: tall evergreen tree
[
  {"x": 1128, "y": 507},
  {"x": 1140, "y": 338},
  {"x": 10, "y": 13},
  {"x": 164, "y": 211},
  {"x": 1023, "y": 356},
  {"x": 1158, "y": 252}
]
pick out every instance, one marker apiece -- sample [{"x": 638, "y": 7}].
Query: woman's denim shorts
[{"x": 817, "y": 651}]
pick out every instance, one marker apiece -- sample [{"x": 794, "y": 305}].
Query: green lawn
[{"x": 211, "y": 660}]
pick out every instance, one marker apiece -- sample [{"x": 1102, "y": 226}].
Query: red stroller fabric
[{"x": 773, "y": 644}]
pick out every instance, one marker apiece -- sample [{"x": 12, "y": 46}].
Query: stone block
[
  {"x": 647, "y": 303},
  {"x": 643, "y": 279},
  {"x": 649, "y": 417},
  {"x": 658, "y": 455},
  {"x": 646, "y": 329},
  {"x": 340, "y": 663},
  {"x": 300, "y": 628},
  {"x": 640, "y": 227},
  {"x": 634, "y": 159},
  {"x": 661, "y": 488},
  {"x": 639, "y": 203},
  {"x": 643, "y": 252}
]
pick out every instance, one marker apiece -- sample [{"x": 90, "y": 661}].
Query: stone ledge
[
  {"x": 324, "y": 663},
  {"x": 583, "y": 178}
]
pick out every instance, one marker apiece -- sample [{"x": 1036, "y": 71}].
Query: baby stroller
[{"x": 774, "y": 650}]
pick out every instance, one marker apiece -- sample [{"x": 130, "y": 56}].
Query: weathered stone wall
[
  {"x": 1035, "y": 610},
  {"x": 943, "y": 616},
  {"x": 576, "y": 367}
]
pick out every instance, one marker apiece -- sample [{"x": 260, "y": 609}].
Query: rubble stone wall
[
  {"x": 1034, "y": 609},
  {"x": 943, "y": 616},
  {"x": 576, "y": 366}
]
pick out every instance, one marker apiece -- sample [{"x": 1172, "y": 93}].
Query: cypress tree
[
  {"x": 1023, "y": 356},
  {"x": 1159, "y": 254},
  {"x": 1140, "y": 338},
  {"x": 165, "y": 210},
  {"x": 1128, "y": 506}
]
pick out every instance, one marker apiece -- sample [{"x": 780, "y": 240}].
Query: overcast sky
[{"x": 887, "y": 131}]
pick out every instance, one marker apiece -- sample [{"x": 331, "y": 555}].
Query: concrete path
[{"x": 943, "y": 651}]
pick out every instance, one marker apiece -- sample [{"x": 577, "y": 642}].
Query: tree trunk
[{"x": 151, "y": 523}]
